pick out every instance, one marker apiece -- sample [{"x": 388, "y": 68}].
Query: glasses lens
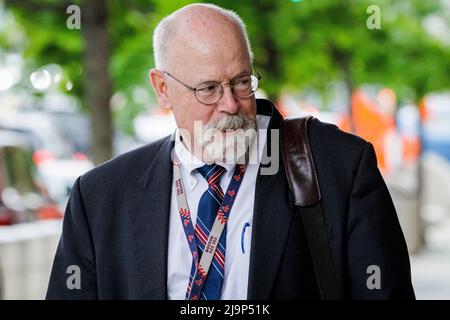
[
  {"x": 209, "y": 93},
  {"x": 246, "y": 86}
]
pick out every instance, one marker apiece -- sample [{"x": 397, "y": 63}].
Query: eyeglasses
[{"x": 210, "y": 92}]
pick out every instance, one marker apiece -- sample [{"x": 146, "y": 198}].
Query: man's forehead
[
  {"x": 209, "y": 50},
  {"x": 199, "y": 71}
]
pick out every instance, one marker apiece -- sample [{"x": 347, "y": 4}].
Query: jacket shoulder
[
  {"x": 329, "y": 141},
  {"x": 335, "y": 152},
  {"x": 330, "y": 135},
  {"x": 129, "y": 166}
]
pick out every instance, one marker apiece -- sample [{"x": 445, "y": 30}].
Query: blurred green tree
[
  {"x": 111, "y": 53},
  {"x": 297, "y": 45},
  {"x": 309, "y": 44}
]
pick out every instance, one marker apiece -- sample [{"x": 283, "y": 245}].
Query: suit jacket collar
[{"x": 271, "y": 216}]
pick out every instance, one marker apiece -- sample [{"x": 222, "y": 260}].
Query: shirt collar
[{"x": 188, "y": 160}]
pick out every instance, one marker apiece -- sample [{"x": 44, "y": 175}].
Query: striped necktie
[{"x": 207, "y": 211}]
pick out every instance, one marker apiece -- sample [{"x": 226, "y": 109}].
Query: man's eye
[
  {"x": 243, "y": 81},
  {"x": 208, "y": 88}
]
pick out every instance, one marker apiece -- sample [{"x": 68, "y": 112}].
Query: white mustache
[{"x": 232, "y": 122}]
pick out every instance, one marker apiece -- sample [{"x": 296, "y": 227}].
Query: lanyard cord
[{"x": 195, "y": 286}]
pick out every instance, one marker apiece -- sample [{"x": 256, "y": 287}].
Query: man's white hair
[{"x": 166, "y": 28}]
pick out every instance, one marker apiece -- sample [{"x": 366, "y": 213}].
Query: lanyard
[{"x": 195, "y": 286}]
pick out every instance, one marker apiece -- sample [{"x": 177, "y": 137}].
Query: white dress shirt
[{"x": 237, "y": 256}]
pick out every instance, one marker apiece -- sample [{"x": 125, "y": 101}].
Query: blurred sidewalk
[
  {"x": 431, "y": 266},
  {"x": 26, "y": 257}
]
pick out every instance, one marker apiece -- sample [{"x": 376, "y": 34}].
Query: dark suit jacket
[{"x": 117, "y": 220}]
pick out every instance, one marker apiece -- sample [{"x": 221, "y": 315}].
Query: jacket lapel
[
  {"x": 151, "y": 228},
  {"x": 271, "y": 219}
]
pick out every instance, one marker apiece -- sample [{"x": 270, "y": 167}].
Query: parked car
[
  {"x": 436, "y": 126},
  {"x": 58, "y": 142},
  {"x": 44, "y": 133},
  {"x": 23, "y": 196},
  {"x": 60, "y": 175},
  {"x": 75, "y": 127}
]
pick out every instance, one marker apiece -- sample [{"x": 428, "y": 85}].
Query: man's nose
[{"x": 228, "y": 103}]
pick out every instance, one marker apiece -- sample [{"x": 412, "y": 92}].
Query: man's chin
[
  {"x": 231, "y": 154},
  {"x": 228, "y": 146}
]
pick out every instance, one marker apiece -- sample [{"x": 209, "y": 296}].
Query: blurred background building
[{"x": 74, "y": 92}]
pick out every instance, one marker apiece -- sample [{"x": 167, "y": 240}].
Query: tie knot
[{"x": 211, "y": 173}]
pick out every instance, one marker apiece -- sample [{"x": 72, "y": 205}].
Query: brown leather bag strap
[
  {"x": 302, "y": 179},
  {"x": 298, "y": 161}
]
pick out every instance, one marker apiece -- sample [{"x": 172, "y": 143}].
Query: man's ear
[{"x": 159, "y": 84}]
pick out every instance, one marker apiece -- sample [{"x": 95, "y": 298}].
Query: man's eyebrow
[{"x": 240, "y": 74}]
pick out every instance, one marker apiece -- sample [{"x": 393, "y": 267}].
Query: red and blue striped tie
[{"x": 207, "y": 211}]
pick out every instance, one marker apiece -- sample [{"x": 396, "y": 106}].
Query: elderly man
[{"x": 191, "y": 216}]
